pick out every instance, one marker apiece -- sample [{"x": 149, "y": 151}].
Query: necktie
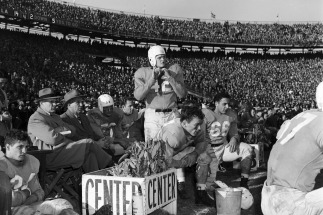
[{"x": 78, "y": 117}]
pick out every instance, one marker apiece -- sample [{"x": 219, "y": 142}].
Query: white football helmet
[
  {"x": 153, "y": 52},
  {"x": 105, "y": 100},
  {"x": 246, "y": 198}
]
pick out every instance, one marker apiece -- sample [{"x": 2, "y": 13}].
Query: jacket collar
[
  {"x": 54, "y": 117},
  {"x": 42, "y": 111},
  {"x": 70, "y": 114}
]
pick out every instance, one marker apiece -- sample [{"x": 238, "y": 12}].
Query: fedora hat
[
  {"x": 71, "y": 96},
  {"x": 46, "y": 94}
]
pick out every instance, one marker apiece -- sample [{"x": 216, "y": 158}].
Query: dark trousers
[{"x": 5, "y": 194}]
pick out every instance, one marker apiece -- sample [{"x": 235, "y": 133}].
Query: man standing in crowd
[
  {"x": 185, "y": 142},
  {"x": 48, "y": 131},
  {"x": 130, "y": 115},
  {"x": 22, "y": 170},
  {"x": 5, "y": 117},
  {"x": 106, "y": 121},
  {"x": 294, "y": 162},
  {"x": 223, "y": 140},
  {"x": 159, "y": 87}
]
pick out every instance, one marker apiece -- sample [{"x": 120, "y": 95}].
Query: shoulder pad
[
  {"x": 3, "y": 165},
  {"x": 176, "y": 68}
]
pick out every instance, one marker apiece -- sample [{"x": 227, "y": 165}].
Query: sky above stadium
[{"x": 242, "y": 10}]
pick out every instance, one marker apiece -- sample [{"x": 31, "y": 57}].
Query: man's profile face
[
  {"x": 193, "y": 126},
  {"x": 107, "y": 110},
  {"x": 222, "y": 105},
  {"x": 128, "y": 108},
  {"x": 75, "y": 107},
  {"x": 48, "y": 106},
  {"x": 160, "y": 61},
  {"x": 17, "y": 151}
]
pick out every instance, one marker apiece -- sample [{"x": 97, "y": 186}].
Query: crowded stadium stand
[
  {"x": 42, "y": 61},
  {"x": 138, "y": 26}
]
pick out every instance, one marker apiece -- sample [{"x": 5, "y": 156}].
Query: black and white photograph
[{"x": 174, "y": 107}]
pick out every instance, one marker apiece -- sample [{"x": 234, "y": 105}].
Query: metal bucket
[{"x": 228, "y": 201}]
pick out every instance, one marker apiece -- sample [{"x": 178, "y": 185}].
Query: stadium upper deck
[{"x": 158, "y": 28}]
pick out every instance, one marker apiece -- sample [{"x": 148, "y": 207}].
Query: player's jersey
[
  {"x": 160, "y": 95},
  {"x": 176, "y": 138},
  {"x": 297, "y": 157},
  {"x": 96, "y": 119},
  {"x": 129, "y": 119},
  {"x": 20, "y": 177},
  {"x": 220, "y": 126}
]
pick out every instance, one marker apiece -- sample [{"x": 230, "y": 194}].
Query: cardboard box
[
  {"x": 260, "y": 157},
  {"x": 158, "y": 190}
]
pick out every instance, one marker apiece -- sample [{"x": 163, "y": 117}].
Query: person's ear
[{"x": 184, "y": 123}]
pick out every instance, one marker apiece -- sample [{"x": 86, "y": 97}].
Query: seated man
[
  {"x": 26, "y": 194},
  {"x": 185, "y": 142},
  {"x": 106, "y": 121},
  {"x": 48, "y": 131},
  {"x": 80, "y": 122},
  {"x": 129, "y": 117},
  {"x": 224, "y": 142},
  {"x": 294, "y": 163}
]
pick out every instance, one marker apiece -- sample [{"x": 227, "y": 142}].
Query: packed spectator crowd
[
  {"x": 34, "y": 62},
  {"x": 263, "y": 83},
  {"x": 265, "y": 89},
  {"x": 155, "y": 26}
]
